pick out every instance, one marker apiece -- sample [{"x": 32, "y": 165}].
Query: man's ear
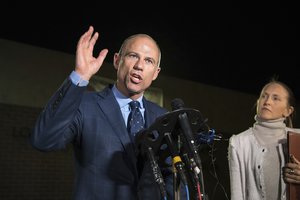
[
  {"x": 156, "y": 73},
  {"x": 116, "y": 60}
]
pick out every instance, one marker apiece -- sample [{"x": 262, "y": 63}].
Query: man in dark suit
[{"x": 95, "y": 122}]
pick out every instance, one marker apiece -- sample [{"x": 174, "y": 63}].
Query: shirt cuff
[{"x": 76, "y": 79}]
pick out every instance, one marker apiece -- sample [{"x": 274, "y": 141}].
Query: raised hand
[{"x": 86, "y": 64}]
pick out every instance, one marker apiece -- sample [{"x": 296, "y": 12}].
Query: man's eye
[
  {"x": 132, "y": 56},
  {"x": 149, "y": 61}
]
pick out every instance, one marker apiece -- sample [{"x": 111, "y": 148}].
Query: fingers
[
  {"x": 87, "y": 40},
  {"x": 294, "y": 159},
  {"x": 86, "y": 64},
  {"x": 92, "y": 41},
  {"x": 291, "y": 180},
  {"x": 290, "y": 171},
  {"x": 291, "y": 175},
  {"x": 85, "y": 37},
  {"x": 102, "y": 55}
]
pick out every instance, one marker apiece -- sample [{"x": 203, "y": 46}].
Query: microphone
[
  {"x": 193, "y": 159},
  {"x": 178, "y": 104},
  {"x": 176, "y": 160},
  {"x": 156, "y": 172}
]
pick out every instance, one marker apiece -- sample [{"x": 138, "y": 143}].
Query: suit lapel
[
  {"x": 149, "y": 115},
  {"x": 111, "y": 109}
]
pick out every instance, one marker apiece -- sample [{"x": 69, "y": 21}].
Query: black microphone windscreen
[{"x": 177, "y": 103}]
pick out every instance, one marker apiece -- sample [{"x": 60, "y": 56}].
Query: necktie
[
  {"x": 134, "y": 124},
  {"x": 135, "y": 119}
]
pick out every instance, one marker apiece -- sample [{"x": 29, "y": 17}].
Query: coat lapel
[
  {"x": 149, "y": 115},
  {"x": 109, "y": 105}
]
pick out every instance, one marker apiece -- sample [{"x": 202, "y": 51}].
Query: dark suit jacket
[{"x": 105, "y": 158}]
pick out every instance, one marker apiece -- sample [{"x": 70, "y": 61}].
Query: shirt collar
[{"x": 123, "y": 100}]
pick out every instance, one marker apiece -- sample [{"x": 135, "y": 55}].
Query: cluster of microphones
[{"x": 178, "y": 134}]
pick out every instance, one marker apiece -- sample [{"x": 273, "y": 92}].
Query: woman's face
[{"x": 273, "y": 102}]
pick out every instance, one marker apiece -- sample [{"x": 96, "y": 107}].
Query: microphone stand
[
  {"x": 194, "y": 158},
  {"x": 176, "y": 178},
  {"x": 176, "y": 185},
  {"x": 156, "y": 172},
  {"x": 154, "y": 137}
]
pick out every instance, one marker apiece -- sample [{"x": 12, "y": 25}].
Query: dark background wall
[
  {"x": 29, "y": 76},
  {"x": 24, "y": 172}
]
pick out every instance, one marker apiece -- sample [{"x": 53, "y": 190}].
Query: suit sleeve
[{"x": 59, "y": 122}]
